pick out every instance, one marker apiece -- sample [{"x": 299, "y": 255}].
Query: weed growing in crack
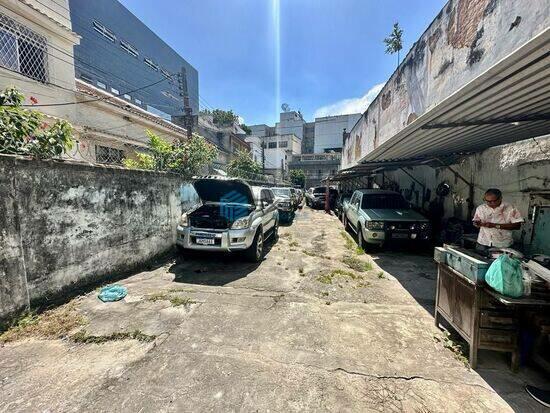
[
  {"x": 357, "y": 264},
  {"x": 82, "y": 338},
  {"x": 179, "y": 301},
  {"x": 301, "y": 272},
  {"x": 293, "y": 244},
  {"x": 456, "y": 347},
  {"x": 327, "y": 278},
  {"x": 174, "y": 299}
]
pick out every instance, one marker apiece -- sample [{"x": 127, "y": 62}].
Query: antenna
[{"x": 285, "y": 107}]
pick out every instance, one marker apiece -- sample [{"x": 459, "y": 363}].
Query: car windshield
[
  {"x": 281, "y": 191},
  {"x": 384, "y": 201},
  {"x": 320, "y": 190}
]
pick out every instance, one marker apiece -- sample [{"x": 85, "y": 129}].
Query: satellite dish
[{"x": 285, "y": 107}]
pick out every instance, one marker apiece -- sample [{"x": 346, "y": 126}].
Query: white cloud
[
  {"x": 353, "y": 105},
  {"x": 240, "y": 120}
]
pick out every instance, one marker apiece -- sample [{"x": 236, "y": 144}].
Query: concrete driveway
[{"x": 317, "y": 326}]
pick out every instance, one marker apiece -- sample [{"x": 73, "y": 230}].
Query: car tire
[
  {"x": 345, "y": 222},
  {"x": 276, "y": 232},
  {"x": 255, "y": 252},
  {"x": 182, "y": 252},
  {"x": 360, "y": 241}
]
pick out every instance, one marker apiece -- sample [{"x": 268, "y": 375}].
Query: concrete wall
[
  {"x": 65, "y": 224},
  {"x": 328, "y": 131},
  {"x": 465, "y": 39},
  {"x": 290, "y": 123},
  {"x": 518, "y": 170}
]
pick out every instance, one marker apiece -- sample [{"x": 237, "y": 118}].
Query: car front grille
[
  {"x": 399, "y": 226},
  {"x": 209, "y": 222}
]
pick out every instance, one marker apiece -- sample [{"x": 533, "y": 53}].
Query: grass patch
[
  {"x": 350, "y": 244},
  {"x": 293, "y": 244},
  {"x": 324, "y": 294},
  {"x": 314, "y": 254},
  {"x": 51, "y": 324},
  {"x": 175, "y": 300},
  {"x": 82, "y": 338},
  {"x": 327, "y": 278},
  {"x": 357, "y": 264},
  {"x": 457, "y": 348},
  {"x": 381, "y": 275},
  {"x": 301, "y": 272}
]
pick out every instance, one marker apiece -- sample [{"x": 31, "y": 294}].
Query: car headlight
[
  {"x": 375, "y": 225},
  {"x": 241, "y": 223},
  {"x": 184, "y": 220}
]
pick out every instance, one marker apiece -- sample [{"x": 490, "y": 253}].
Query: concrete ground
[{"x": 317, "y": 326}]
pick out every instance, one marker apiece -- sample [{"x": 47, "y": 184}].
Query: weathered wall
[
  {"x": 65, "y": 224},
  {"x": 517, "y": 169},
  {"x": 465, "y": 39}
]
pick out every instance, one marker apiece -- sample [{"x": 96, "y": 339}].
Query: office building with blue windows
[{"x": 120, "y": 54}]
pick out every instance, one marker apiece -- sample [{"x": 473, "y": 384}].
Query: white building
[
  {"x": 290, "y": 123},
  {"x": 329, "y": 129}
]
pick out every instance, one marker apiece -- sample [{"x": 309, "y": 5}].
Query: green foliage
[
  {"x": 394, "y": 42},
  {"x": 23, "y": 131},
  {"x": 186, "y": 158},
  {"x": 243, "y": 166},
  {"x": 245, "y": 128},
  {"x": 298, "y": 177}
]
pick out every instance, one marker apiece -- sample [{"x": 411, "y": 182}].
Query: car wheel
[
  {"x": 255, "y": 252},
  {"x": 276, "y": 231},
  {"x": 360, "y": 240},
  {"x": 345, "y": 222}
]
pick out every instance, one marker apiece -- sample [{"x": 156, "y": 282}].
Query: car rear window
[{"x": 384, "y": 201}]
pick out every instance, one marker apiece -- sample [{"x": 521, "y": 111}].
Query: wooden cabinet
[{"x": 481, "y": 320}]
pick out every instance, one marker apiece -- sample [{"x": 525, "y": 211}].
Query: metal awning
[{"x": 507, "y": 103}]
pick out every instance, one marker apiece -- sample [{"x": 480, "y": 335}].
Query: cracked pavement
[{"x": 267, "y": 337}]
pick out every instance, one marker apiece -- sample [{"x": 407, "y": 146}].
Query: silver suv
[{"x": 232, "y": 216}]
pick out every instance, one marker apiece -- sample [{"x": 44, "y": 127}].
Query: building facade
[
  {"x": 329, "y": 129},
  {"x": 121, "y": 55}
]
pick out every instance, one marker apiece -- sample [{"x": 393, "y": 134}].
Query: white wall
[
  {"x": 290, "y": 123},
  {"x": 329, "y": 130}
]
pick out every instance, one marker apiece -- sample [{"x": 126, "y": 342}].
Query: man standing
[{"x": 496, "y": 220}]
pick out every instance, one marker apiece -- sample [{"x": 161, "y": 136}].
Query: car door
[{"x": 353, "y": 210}]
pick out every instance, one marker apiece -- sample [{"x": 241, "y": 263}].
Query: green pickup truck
[{"x": 377, "y": 216}]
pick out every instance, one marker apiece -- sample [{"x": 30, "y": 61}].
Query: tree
[
  {"x": 24, "y": 132},
  {"x": 224, "y": 117},
  {"x": 394, "y": 42},
  {"x": 298, "y": 177},
  {"x": 245, "y": 128},
  {"x": 186, "y": 158},
  {"x": 243, "y": 166}
]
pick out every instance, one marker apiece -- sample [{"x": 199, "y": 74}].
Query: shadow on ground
[{"x": 214, "y": 269}]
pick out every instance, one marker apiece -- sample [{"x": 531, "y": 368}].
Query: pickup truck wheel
[
  {"x": 360, "y": 241},
  {"x": 345, "y": 222},
  {"x": 255, "y": 252}
]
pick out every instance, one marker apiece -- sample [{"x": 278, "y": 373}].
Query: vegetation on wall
[
  {"x": 243, "y": 166},
  {"x": 24, "y": 132},
  {"x": 187, "y": 158},
  {"x": 298, "y": 177}
]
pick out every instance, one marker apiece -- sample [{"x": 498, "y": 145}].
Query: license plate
[
  {"x": 400, "y": 236},
  {"x": 205, "y": 241}
]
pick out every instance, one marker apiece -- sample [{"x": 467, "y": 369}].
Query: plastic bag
[
  {"x": 505, "y": 276},
  {"x": 113, "y": 292}
]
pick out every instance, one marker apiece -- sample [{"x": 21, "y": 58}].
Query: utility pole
[
  {"x": 188, "y": 121},
  {"x": 263, "y": 156}
]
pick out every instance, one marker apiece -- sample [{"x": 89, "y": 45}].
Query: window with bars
[
  {"x": 271, "y": 145},
  {"x": 105, "y": 32},
  {"x": 104, "y": 154},
  {"x": 165, "y": 73},
  {"x": 129, "y": 48},
  {"x": 151, "y": 64},
  {"x": 283, "y": 144},
  {"x": 23, "y": 50}
]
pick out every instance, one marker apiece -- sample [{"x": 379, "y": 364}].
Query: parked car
[
  {"x": 316, "y": 197},
  {"x": 232, "y": 216},
  {"x": 377, "y": 216},
  {"x": 284, "y": 203},
  {"x": 288, "y": 192}
]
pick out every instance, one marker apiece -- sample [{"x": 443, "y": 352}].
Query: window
[
  {"x": 105, "y": 32},
  {"x": 272, "y": 145},
  {"x": 151, "y": 64},
  {"x": 283, "y": 144},
  {"x": 104, "y": 154},
  {"x": 102, "y": 85},
  {"x": 138, "y": 101},
  {"x": 129, "y": 48},
  {"x": 115, "y": 91},
  {"x": 128, "y": 97},
  {"x": 23, "y": 50}
]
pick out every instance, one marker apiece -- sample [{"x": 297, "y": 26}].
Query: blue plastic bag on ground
[
  {"x": 505, "y": 276},
  {"x": 113, "y": 292}
]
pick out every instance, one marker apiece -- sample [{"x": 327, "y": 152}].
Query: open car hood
[{"x": 222, "y": 189}]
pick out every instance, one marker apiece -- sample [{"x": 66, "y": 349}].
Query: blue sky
[{"x": 331, "y": 51}]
